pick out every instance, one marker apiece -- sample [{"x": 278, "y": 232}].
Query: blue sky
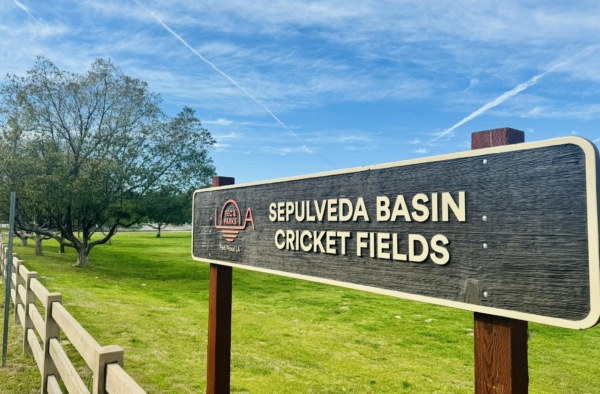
[{"x": 297, "y": 87}]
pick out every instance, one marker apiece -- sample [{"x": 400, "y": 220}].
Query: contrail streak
[
  {"x": 205, "y": 60},
  {"x": 516, "y": 90},
  {"x": 21, "y": 6}
]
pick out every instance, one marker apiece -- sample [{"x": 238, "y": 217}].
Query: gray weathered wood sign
[{"x": 509, "y": 231}]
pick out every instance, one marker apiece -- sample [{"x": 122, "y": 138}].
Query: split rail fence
[{"x": 105, "y": 362}]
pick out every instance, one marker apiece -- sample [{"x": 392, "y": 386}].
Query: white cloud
[
  {"x": 354, "y": 138},
  {"x": 361, "y": 147},
  {"x": 277, "y": 151},
  {"x": 377, "y": 52},
  {"x": 231, "y": 135},
  {"x": 285, "y": 78},
  {"x": 421, "y": 150},
  {"x": 21, "y": 6},
  {"x": 287, "y": 150},
  {"x": 555, "y": 110},
  {"x": 535, "y": 112},
  {"x": 220, "y": 121},
  {"x": 306, "y": 149},
  {"x": 516, "y": 90},
  {"x": 472, "y": 83}
]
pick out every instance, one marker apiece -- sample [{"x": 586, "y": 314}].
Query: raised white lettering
[
  {"x": 437, "y": 248},
  {"x": 412, "y": 239},
  {"x": 361, "y": 210},
  {"x": 416, "y": 203}
]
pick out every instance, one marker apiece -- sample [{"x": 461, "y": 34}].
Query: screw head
[
  {"x": 485, "y": 161},
  {"x": 484, "y": 218},
  {"x": 485, "y": 246},
  {"x": 486, "y": 294}
]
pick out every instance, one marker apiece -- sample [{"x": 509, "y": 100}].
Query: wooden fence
[{"x": 105, "y": 362}]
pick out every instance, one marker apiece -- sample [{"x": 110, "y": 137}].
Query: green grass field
[{"x": 147, "y": 295}]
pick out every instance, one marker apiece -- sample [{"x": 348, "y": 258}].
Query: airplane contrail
[
  {"x": 205, "y": 60},
  {"x": 516, "y": 90},
  {"x": 21, "y": 6}
]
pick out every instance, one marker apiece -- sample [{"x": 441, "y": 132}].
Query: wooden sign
[{"x": 509, "y": 231}]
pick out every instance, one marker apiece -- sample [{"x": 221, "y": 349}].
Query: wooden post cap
[
  {"x": 496, "y": 137},
  {"x": 222, "y": 181}
]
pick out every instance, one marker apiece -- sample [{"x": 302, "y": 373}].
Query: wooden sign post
[
  {"x": 219, "y": 321},
  {"x": 501, "y": 365}
]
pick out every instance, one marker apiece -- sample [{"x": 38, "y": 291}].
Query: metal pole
[{"x": 7, "y": 280}]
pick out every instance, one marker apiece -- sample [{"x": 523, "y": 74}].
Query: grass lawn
[{"x": 147, "y": 295}]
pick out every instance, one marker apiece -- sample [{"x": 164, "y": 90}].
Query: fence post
[
  {"x": 4, "y": 251},
  {"x": 19, "y": 281},
  {"x": 52, "y": 331},
  {"x": 219, "y": 321},
  {"x": 29, "y": 301},
  {"x": 500, "y": 342},
  {"x": 12, "y": 284},
  {"x": 105, "y": 355},
  {"x": 2, "y": 245}
]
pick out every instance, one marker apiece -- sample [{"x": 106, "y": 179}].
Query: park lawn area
[{"x": 148, "y": 296}]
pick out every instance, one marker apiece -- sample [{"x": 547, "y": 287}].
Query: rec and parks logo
[{"x": 230, "y": 220}]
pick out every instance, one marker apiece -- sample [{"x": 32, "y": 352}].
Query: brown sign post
[
  {"x": 507, "y": 230},
  {"x": 219, "y": 321},
  {"x": 500, "y": 343}
]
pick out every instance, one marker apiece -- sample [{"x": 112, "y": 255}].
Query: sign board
[{"x": 509, "y": 231}]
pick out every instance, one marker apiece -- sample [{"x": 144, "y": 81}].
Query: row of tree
[{"x": 88, "y": 154}]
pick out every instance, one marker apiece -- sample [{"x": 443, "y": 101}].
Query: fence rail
[{"x": 105, "y": 362}]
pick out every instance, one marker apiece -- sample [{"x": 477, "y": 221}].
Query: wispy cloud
[
  {"x": 474, "y": 82},
  {"x": 361, "y": 147},
  {"x": 227, "y": 136},
  {"x": 516, "y": 90},
  {"x": 43, "y": 29},
  {"x": 554, "y": 110},
  {"x": 21, "y": 6},
  {"x": 218, "y": 70},
  {"x": 421, "y": 150},
  {"x": 499, "y": 100},
  {"x": 287, "y": 150},
  {"x": 379, "y": 65},
  {"x": 354, "y": 138},
  {"x": 226, "y": 76},
  {"x": 220, "y": 121}
]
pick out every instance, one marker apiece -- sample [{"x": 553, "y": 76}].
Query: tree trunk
[
  {"x": 158, "y": 232},
  {"x": 61, "y": 248},
  {"x": 38, "y": 245},
  {"x": 23, "y": 241},
  {"x": 82, "y": 257}
]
